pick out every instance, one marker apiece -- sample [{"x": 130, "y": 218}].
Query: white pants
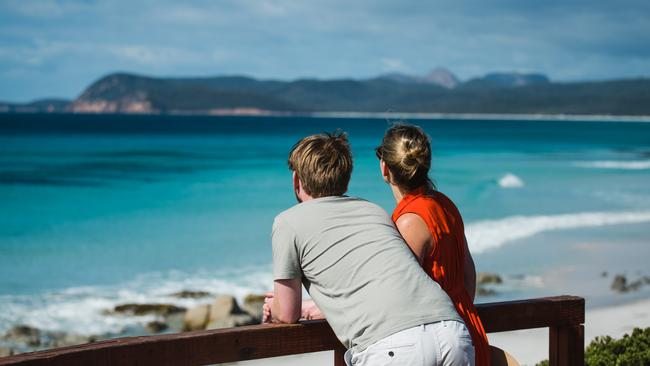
[{"x": 445, "y": 343}]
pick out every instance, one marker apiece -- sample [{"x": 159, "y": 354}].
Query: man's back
[{"x": 357, "y": 269}]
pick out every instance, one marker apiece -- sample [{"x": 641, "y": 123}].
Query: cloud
[{"x": 80, "y": 40}]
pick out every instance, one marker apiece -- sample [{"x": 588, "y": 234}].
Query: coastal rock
[
  {"x": 619, "y": 284},
  {"x": 483, "y": 278},
  {"x": 226, "y": 313},
  {"x": 196, "y": 318},
  {"x": 482, "y": 291},
  {"x": 24, "y": 334},
  {"x": 253, "y": 305},
  {"x": 156, "y": 327},
  {"x": 6, "y": 352},
  {"x": 187, "y": 294},
  {"x": 235, "y": 320},
  {"x": 62, "y": 339},
  {"x": 146, "y": 309}
]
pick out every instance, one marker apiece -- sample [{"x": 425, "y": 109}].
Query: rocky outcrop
[
  {"x": 23, "y": 334},
  {"x": 196, "y": 318},
  {"x": 224, "y": 312},
  {"x": 485, "y": 278},
  {"x": 187, "y": 294},
  {"x": 620, "y": 284},
  {"x": 148, "y": 309},
  {"x": 29, "y": 338}
]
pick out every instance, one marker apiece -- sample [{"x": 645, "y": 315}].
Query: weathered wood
[
  {"x": 535, "y": 313},
  {"x": 339, "y": 360},
  {"x": 192, "y": 348},
  {"x": 566, "y": 345},
  {"x": 563, "y": 314}
]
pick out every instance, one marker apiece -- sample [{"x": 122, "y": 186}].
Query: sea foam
[
  {"x": 615, "y": 164},
  {"x": 491, "y": 234},
  {"x": 82, "y": 310},
  {"x": 510, "y": 180}
]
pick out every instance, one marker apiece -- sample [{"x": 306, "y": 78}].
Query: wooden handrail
[{"x": 564, "y": 315}]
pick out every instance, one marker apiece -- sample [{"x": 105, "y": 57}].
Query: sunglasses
[{"x": 379, "y": 151}]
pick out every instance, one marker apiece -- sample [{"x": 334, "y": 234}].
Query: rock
[
  {"x": 62, "y": 339},
  {"x": 196, "y": 318},
  {"x": 482, "y": 291},
  {"x": 619, "y": 284},
  {"x": 155, "y": 327},
  {"x": 484, "y": 278},
  {"x": 146, "y": 309},
  {"x": 223, "y": 306},
  {"x": 6, "y": 352},
  {"x": 27, "y": 335},
  {"x": 253, "y": 305},
  {"x": 186, "y": 294},
  {"x": 633, "y": 286},
  {"x": 175, "y": 322},
  {"x": 236, "y": 320},
  {"x": 226, "y": 313}
]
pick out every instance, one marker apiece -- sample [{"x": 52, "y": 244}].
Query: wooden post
[
  {"x": 338, "y": 356},
  {"x": 567, "y": 345}
]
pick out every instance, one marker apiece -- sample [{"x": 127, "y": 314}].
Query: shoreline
[{"x": 527, "y": 117}]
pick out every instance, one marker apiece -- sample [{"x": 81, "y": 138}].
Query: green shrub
[{"x": 631, "y": 350}]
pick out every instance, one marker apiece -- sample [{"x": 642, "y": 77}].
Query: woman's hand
[
  {"x": 266, "y": 308},
  {"x": 310, "y": 311}
]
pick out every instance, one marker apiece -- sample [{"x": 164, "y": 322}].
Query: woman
[{"x": 431, "y": 224}]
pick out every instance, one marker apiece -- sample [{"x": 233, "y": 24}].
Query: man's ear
[{"x": 296, "y": 183}]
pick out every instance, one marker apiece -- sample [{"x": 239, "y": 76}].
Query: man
[{"x": 357, "y": 269}]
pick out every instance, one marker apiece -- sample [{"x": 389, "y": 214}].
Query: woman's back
[{"x": 445, "y": 261}]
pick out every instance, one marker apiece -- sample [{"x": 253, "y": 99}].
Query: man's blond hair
[{"x": 323, "y": 164}]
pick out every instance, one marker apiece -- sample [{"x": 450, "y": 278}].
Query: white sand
[
  {"x": 531, "y": 346},
  {"x": 527, "y": 346}
]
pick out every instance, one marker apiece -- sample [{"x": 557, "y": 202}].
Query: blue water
[{"x": 98, "y": 210}]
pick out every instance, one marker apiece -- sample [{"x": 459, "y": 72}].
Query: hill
[{"x": 438, "y": 92}]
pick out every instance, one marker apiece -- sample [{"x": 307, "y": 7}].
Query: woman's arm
[
  {"x": 469, "y": 272},
  {"x": 416, "y": 234}
]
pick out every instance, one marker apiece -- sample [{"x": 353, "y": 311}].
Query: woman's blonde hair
[{"x": 406, "y": 150}]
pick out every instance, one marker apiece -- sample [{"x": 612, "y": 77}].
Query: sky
[{"x": 56, "y": 48}]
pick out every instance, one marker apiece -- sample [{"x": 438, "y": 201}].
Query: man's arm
[{"x": 287, "y": 301}]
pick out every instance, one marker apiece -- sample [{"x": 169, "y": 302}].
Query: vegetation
[{"x": 631, "y": 350}]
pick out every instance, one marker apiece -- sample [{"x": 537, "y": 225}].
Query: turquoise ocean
[{"x": 100, "y": 210}]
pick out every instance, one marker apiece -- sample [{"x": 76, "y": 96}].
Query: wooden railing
[{"x": 564, "y": 315}]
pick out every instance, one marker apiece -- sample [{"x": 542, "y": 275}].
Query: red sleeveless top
[{"x": 445, "y": 262}]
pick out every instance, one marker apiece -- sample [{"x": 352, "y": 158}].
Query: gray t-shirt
[{"x": 357, "y": 268}]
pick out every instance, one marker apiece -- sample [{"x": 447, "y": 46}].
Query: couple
[{"x": 363, "y": 270}]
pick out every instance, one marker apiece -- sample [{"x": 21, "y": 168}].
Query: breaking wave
[
  {"x": 615, "y": 164},
  {"x": 491, "y": 234}
]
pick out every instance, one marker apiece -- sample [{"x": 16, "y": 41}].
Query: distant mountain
[
  {"x": 442, "y": 77},
  {"x": 508, "y": 79},
  {"x": 37, "y": 106},
  {"x": 438, "y": 92},
  {"x": 438, "y": 76}
]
